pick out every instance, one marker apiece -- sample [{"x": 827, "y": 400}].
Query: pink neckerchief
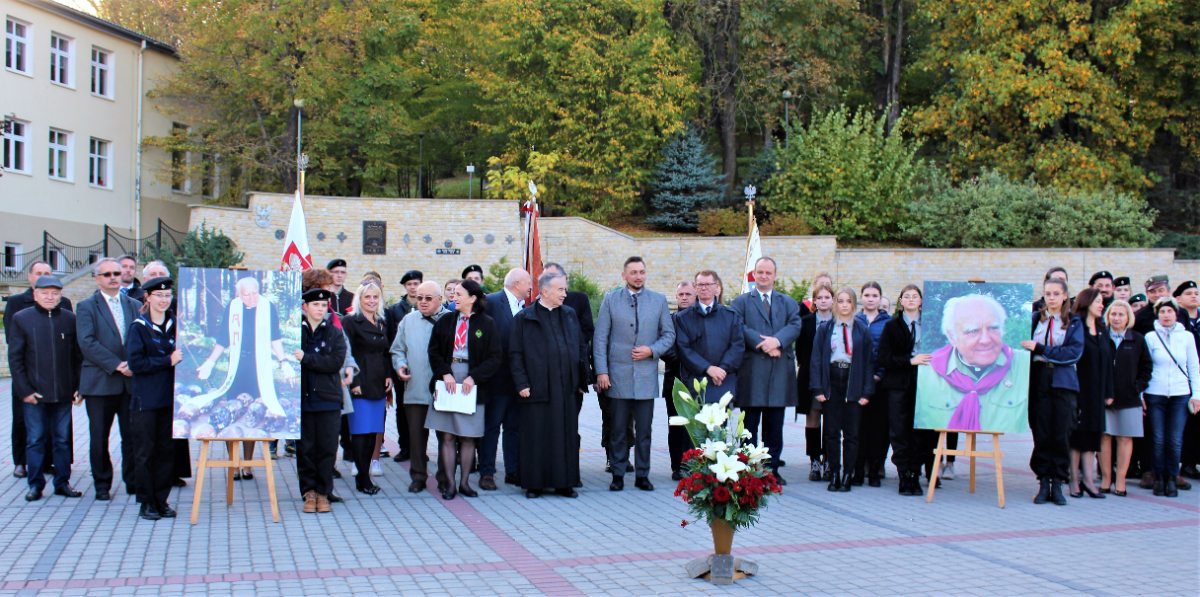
[{"x": 966, "y": 415}]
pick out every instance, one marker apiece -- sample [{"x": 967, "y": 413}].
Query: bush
[
  {"x": 579, "y": 282},
  {"x": 685, "y": 182},
  {"x": 992, "y": 211},
  {"x": 728, "y": 221},
  {"x": 785, "y": 225},
  {"x": 843, "y": 175},
  {"x": 1187, "y": 246},
  {"x": 202, "y": 247},
  {"x": 797, "y": 290}
]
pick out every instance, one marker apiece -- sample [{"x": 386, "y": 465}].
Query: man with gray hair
[
  {"x": 549, "y": 371},
  {"x": 502, "y": 409},
  {"x": 976, "y": 382},
  {"x": 410, "y": 359}
]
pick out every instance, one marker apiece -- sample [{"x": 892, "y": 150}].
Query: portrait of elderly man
[
  {"x": 976, "y": 382},
  {"x": 249, "y": 332}
]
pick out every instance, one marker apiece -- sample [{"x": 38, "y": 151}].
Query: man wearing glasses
[
  {"x": 410, "y": 358},
  {"x": 106, "y": 382},
  {"x": 708, "y": 341}
]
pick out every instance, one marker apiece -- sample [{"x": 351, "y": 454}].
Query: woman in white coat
[{"x": 1175, "y": 384}]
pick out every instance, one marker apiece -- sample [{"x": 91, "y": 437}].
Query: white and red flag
[
  {"x": 296, "y": 256},
  {"x": 753, "y": 254},
  {"x": 533, "y": 244}
]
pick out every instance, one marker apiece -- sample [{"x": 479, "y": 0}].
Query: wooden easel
[
  {"x": 971, "y": 453},
  {"x": 236, "y": 462}
]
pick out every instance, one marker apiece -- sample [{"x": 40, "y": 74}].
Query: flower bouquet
[{"x": 724, "y": 481}]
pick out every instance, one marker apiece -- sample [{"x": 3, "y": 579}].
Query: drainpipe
[{"x": 137, "y": 175}]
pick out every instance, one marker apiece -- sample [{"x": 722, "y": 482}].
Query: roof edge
[{"x": 95, "y": 22}]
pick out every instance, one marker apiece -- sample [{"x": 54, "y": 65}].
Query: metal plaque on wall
[{"x": 374, "y": 237}]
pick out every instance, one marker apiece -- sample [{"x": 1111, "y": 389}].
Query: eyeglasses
[
  {"x": 107, "y": 274},
  {"x": 427, "y": 298},
  {"x": 706, "y": 285},
  {"x": 162, "y": 295}
]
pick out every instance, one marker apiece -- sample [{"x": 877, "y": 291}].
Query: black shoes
[
  {"x": 1170, "y": 489},
  {"x": 814, "y": 471},
  {"x": 780, "y": 479},
  {"x": 1043, "y": 494},
  {"x": 1190, "y": 472},
  {"x": 533, "y": 494},
  {"x": 336, "y": 474},
  {"x": 847, "y": 482},
  {"x": 643, "y": 484},
  {"x": 910, "y": 483},
  {"x": 67, "y": 492},
  {"x": 179, "y": 483},
  {"x": 512, "y": 479},
  {"x": 782, "y": 464},
  {"x": 416, "y": 487},
  {"x": 166, "y": 511},
  {"x": 1091, "y": 494},
  {"x": 149, "y": 512},
  {"x": 333, "y": 499},
  {"x": 874, "y": 481},
  {"x": 676, "y": 475},
  {"x": 567, "y": 493},
  {"x": 467, "y": 491},
  {"x": 835, "y": 484},
  {"x": 1056, "y": 494},
  {"x": 102, "y": 495},
  {"x": 372, "y": 490},
  {"x": 33, "y": 495},
  {"x": 20, "y": 472},
  {"x": 402, "y": 456},
  {"x": 1159, "y": 488},
  {"x": 856, "y": 479},
  {"x": 618, "y": 484}
]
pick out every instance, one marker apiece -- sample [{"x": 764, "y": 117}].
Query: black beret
[
  {"x": 48, "y": 282},
  {"x": 412, "y": 274},
  {"x": 158, "y": 284},
  {"x": 1183, "y": 287},
  {"x": 1138, "y": 298},
  {"x": 336, "y": 263},
  {"x": 472, "y": 268},
  {"x": 316, "y": 295},
  {"x": 1098, "y": 275},
  {"x": 1122, "y": 281}
]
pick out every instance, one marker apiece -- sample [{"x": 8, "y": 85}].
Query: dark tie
[
  {"x": 637, "y": 322},
  {"x": 912, "y": 329},
  {"x": 767, "y": 305}
]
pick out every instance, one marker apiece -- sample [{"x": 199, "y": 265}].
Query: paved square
[{"x": 811, "y": 542}]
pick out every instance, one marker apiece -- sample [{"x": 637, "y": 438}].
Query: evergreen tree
[
  {"x": 202, "y": 247},
  {"x": 686, "y": 181}
]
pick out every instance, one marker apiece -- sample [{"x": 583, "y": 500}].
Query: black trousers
[
  {"x": 1052, "y": 416},
  {"x": 1190, "y": 455},
  {"x": 403, "y": 430},
  {"x": 873, "y": 434},
  {"x": 842, "y": 420},
  {"x": 771, "y": 434},
  {"x": 906, "y": 453},
  {"x": 344, "y": 439},
  {"x": 101, "y": 410},
  {"x": 153, "y": 454},
  {"x": 182, "y": 467},
  {"x": 641, "y": 413},
  {"x": 316, "y": 452},
  {"x": 606, "y": 426},
  {"x": 678, "y": 440}
]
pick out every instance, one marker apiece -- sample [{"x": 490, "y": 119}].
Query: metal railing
[{"x": 66, "y": 259}]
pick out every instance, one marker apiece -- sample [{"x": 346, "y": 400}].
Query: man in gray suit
[
  {"x": 103, "y": 321},
  {"x": 633, "y": 330},
  {"x": 767, "y": 377}
]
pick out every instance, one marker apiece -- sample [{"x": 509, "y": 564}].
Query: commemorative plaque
[{"x": 374, "y": 237}]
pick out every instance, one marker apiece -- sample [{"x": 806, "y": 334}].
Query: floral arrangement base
[{"x": 721, "y": 569}]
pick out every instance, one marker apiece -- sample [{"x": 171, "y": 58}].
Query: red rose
[
  {"x": 721, "y": 494},
  {"x": 743, "y": 458},
  {"x": 711, "y": 479}
]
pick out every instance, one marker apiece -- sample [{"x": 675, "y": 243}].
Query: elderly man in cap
[
  {"x": 1188, "y": 296},
  {"x": 45, "y": 360},
  {"x": 1157, "y": 287},
  {"x": 343, "y": 299},
  {"x": 1122, "y": 290},
  {"x": 15, "y": 304},
  {"x": 1102, "y": 282},
  {"x": 410, "y": 359}
]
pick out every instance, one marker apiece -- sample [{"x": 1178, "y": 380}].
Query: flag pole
[{"x": 750, "y": 191}]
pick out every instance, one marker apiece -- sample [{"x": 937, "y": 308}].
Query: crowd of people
[{"x": 1110, "y": 372}]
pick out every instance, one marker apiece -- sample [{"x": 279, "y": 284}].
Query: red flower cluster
[
  {"x": 721, "y": 494},
  {"x": 690, "y": 484},
  {"x": 690, "y": 454},
  {"x": 743, "y": 458}
]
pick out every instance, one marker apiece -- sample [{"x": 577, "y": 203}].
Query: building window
[
  {"x": 102, "y": 73},
  {"x": 99, "y": 163},
  {"x": 60, "y": 155},
  {"x": 12, "y": 256},
  {"x": 209, "y": 183},
  {"x": 16, "y": 46},
  {"x": 180, "y": 179},
  {"x": 16, "y": 148},
  {"x": 60, "y": 60},
  {"x": 57, "y": 260}
]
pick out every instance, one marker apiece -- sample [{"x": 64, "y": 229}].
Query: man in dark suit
[
  {"x": 502, "y": 407},
  {"x": 13, "y": 305},
  {"x": 709, "y": 341},
  {"x": 678, "y": 440},
  {"x": 103, "y": 322},
  {"x": 130, "y": 285}
]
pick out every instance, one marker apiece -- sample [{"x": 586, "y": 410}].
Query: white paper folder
[{"x": 455, "y": 402}]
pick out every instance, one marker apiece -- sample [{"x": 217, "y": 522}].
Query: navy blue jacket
[
  {"x": 44, "y": 355},
  {"x": 149, "y": 351},
  {"x": 702, "y": 341},
  {"x": 876, "y": 327},
  {"x": 501, "y": 314},
  {"x": 320, "y": 369},
  {"x": 862, "y": 362},
  {"x": 1063, "y": 356}
]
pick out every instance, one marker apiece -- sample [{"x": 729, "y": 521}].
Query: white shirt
[
  {"x": 118, "y": 313},
  {"x": 770, "y": 299},
  {"x": 515, "y": 304},
  {"x": 706, "y": 308}
]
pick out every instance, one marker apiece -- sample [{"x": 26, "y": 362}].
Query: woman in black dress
[{"x": 1095, "y": 372}]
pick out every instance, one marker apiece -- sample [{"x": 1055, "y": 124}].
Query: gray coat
[
  {"x": 765, "y": 381},
  {"x": 411, "y": 349},
  {"x": 615, "y": 340},
  {"x": 102, "y": 346}
]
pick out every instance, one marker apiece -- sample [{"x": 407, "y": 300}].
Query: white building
[{"x": 73, "y": 90}]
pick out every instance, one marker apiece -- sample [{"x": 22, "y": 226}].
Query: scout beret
[
  {"x": 153, "y": 284},
  {"x": 336, "y": 263},
  {"x": 317, "y": 295},
  {"x": 412, "y": 274},
  {"x": 1185, "y": 286}
]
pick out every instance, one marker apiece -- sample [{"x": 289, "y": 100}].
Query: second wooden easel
[
  {"x": 234, "y": 463},
  {"x": 971, "y": 453}
]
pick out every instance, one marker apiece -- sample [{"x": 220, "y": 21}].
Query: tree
[
  {"x": 684, "y": 183},
  {"x": 161, "y": 19},
  {"x": 201, "y": 247}
]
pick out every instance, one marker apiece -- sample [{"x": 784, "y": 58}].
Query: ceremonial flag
[
  {"x": 533, "y": 246},
  {"x": 753, "y": 254},
  {"x": 296, "y": 256}
]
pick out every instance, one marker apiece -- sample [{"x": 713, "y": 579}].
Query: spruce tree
[{"x": 686, "y": 181}]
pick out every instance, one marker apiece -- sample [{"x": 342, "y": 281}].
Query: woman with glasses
[{"x": 152, "y": 359}]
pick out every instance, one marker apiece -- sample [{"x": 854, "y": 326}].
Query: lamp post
[
  {"x": 787, "y": 119},
  {"x": 470, "y": 179},
  {"x": 299, "y": 103},
  {"x": 421, "y": 168}
]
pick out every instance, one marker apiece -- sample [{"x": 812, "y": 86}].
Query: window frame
[
  {"x": 57, "y": 56},
  {"x": 10, "y": 142},
  {"x": 27, "y": 43},
  {"x": 66, "y": 150},
  {"x": 93, "y": 157},
  {"x": 18, "y": 251},
  {"x": 108, "y": 70}
]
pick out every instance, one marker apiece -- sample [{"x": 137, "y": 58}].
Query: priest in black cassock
[{"x": 548, "y": 355}]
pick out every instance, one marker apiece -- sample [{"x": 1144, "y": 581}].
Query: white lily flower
[
  {"x": 725, "y": 400},
  {"x": 745, "y": 434},
  {"x": 757, "y": 453},
  {"x": 712, "y": 415},
  {"x": 711, "y": 448},
  {"x": 727, "y": 467},
  {"x": 686, "y": 397},
  {"x": 677, "y": 421}
]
